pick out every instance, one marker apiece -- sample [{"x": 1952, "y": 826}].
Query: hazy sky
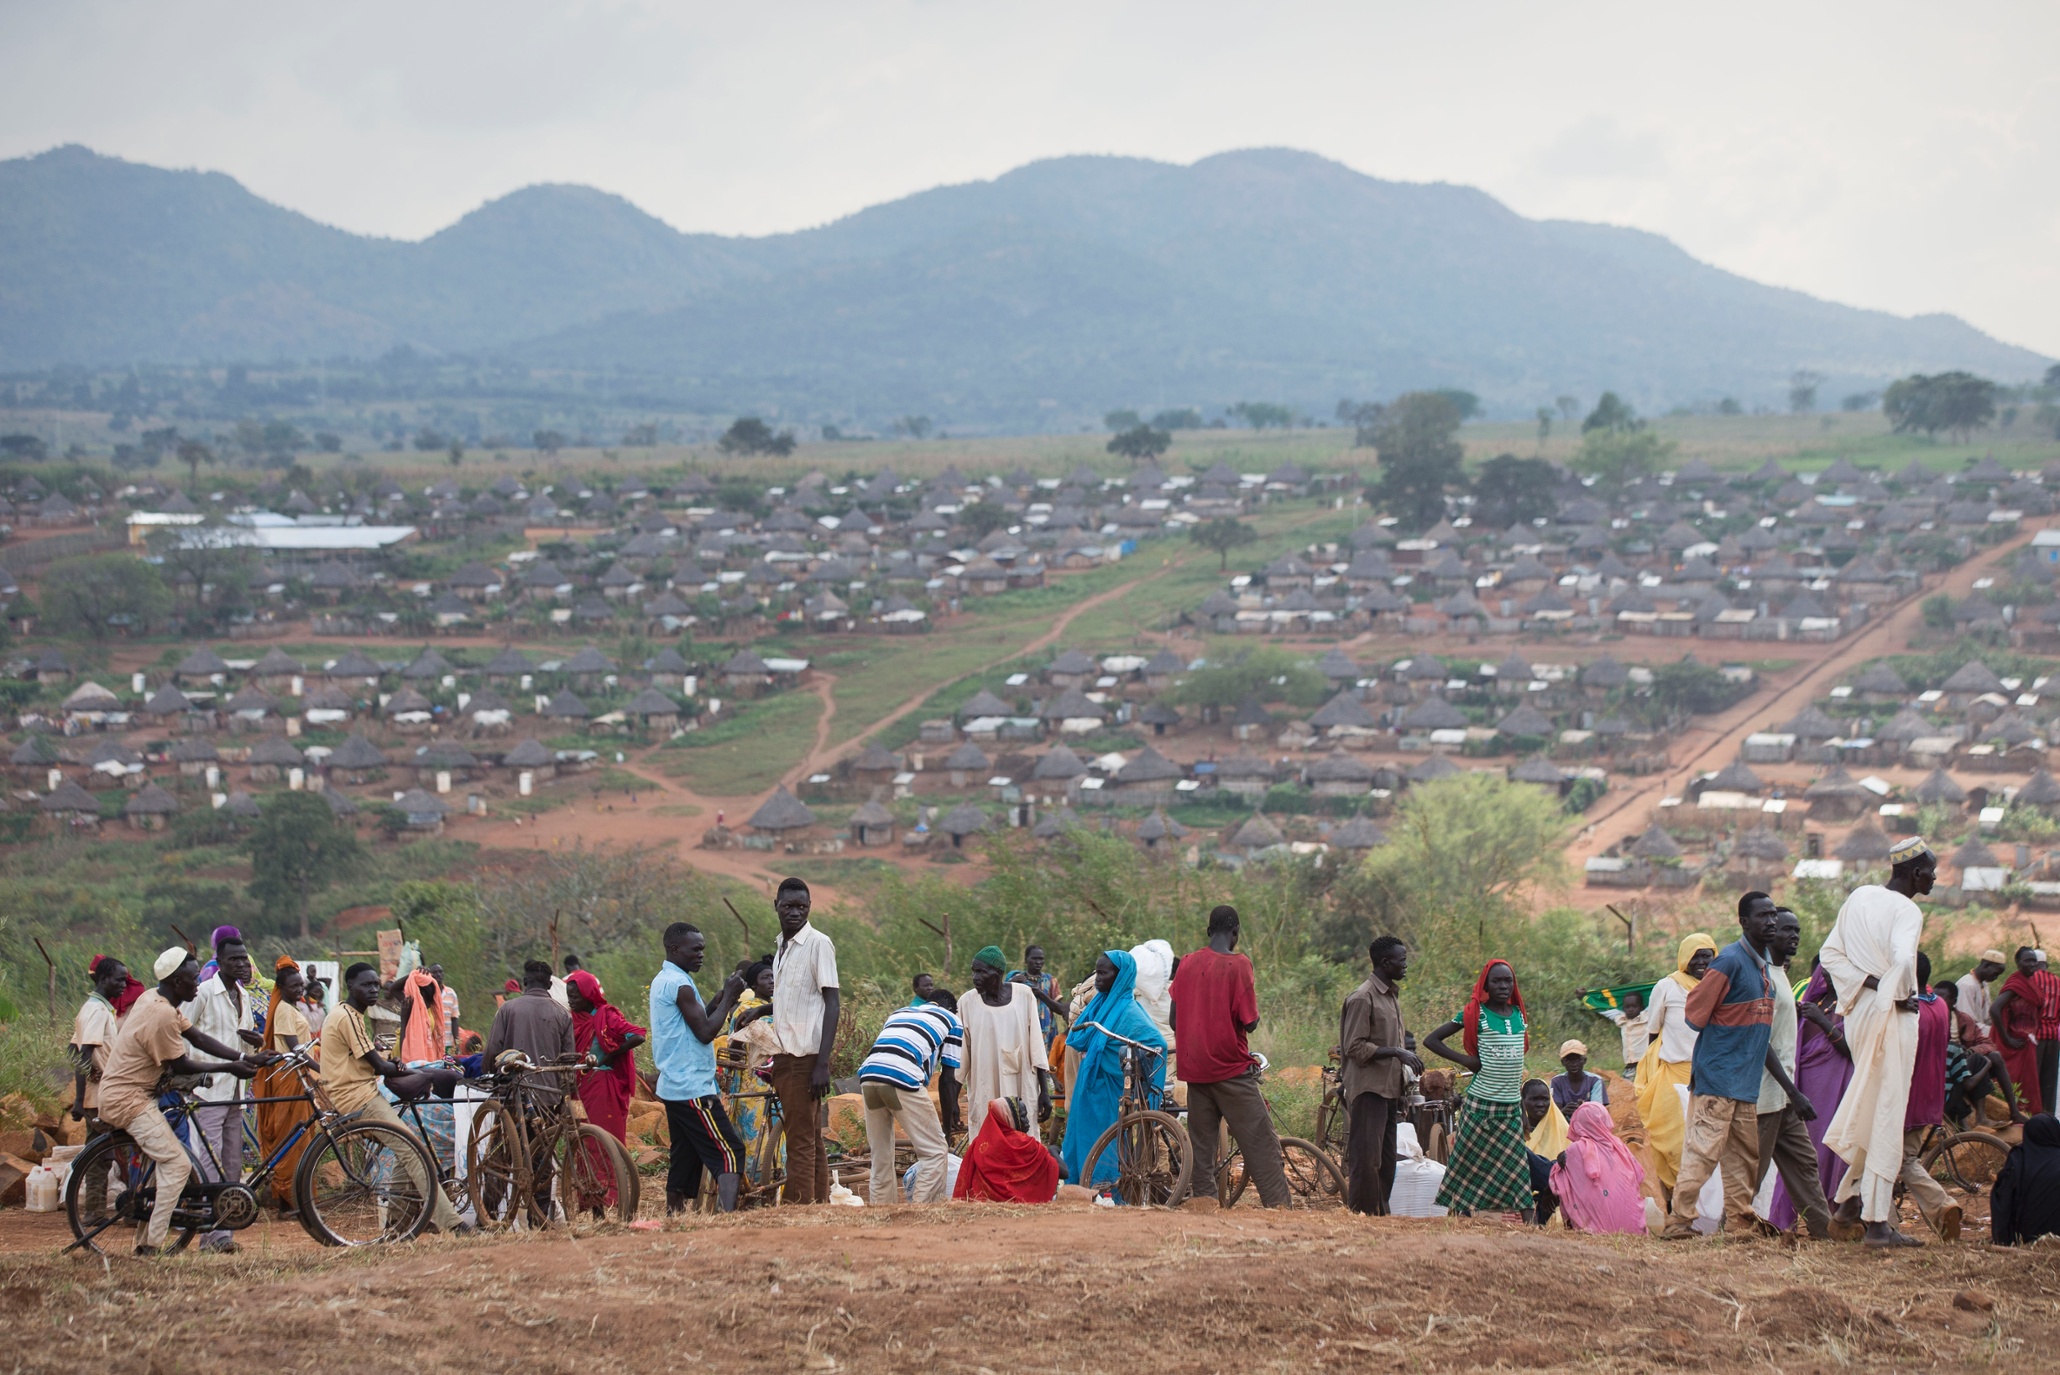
[{"x": 1898, "y": 155}]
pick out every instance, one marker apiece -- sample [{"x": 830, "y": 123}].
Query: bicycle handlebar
[{"x": 1125, "y": 1040}]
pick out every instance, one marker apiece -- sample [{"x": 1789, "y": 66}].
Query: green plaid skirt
[{"x": 1488, "y": 1169}]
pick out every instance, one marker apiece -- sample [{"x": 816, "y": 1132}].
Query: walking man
[
  {"x": 153, "y": 1038},
  {"x": 1370, "y": 1045},
  {"x": 223, "y": 1008},
  {"x": 1732, "y": 1010},
  {"x": 895, "y": 1082},
  {"x": 1215, "y": 1007},
  {"x": 683, "y": 1033},
  {"x": 804, "y": 1025},
  {"x": 1783, "y": 1110},
  {"x": 1871, "y": 958}
]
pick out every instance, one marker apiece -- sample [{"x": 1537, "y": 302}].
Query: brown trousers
[
  {"x": 1238, "y": 1104},
  {"x": 1370, "y": 1154},
  {"x": 808, "y": 1160},
  {"x": 1785, "y": 1145}
]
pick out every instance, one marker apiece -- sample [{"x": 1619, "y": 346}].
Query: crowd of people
[{"x": 1831, "y": 1083}]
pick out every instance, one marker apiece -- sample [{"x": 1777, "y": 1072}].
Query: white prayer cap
[{"x": 168, "y": 963}]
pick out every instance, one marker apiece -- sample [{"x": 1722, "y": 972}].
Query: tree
[
  {"x": 23, "y": 447},
  {"x": 1178, "y": 418},
  {"x": 212, "y": 558},
  {"x": 1263, "y": 415},
  {"x": 1860, "y": 401},
  {"x": 983, "y": 518},
  {"x": 1569, "y": 406},
  {"x": 1956, "y": 402},
  {"x": 1222, "y": 535},
  {"x": 1140, "y": 441},
  {"x": 1419, "y": 457},
  {"x": 1802, "y": 390},
  {"x": 101, "y": 593},
  {"x": 455, "y": 455},
  {"x": 297, "y": 849},
  {"x": 1119, "y": 421},
  {"x": 1612, "y": 413},
  {"x": 547, "y": 441},
  {"x": 1465, "y": 402},
  {"x": 914, "y": 426},
  {"x": 644, "y": 436},
  {"x": 1544, "y": 426},
  {"x": 1513, "y": 491},
  {"x": 1729, "y": 406},
  {"x": 750, "y": 435},
  {"x": 1271, "y": 675},
  {"x": 1364, "y": 418},
  {"x": 1620, "y": 456},
  {"x": 193, "y": 453}
]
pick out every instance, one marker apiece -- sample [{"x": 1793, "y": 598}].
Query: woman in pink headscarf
[{"x": 1597, "y": 1178}]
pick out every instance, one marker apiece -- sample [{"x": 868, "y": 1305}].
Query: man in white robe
[{"x": 1871, "y": 958}]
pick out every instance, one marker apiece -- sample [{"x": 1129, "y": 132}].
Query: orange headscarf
[{"x": 279, "y": 966}]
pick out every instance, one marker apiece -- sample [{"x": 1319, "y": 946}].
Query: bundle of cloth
[{"x": 1004, "y": 1163}]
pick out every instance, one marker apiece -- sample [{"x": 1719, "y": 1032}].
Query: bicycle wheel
[
  {"x": 112, "y": 1188},
  {"x": 496, "y": 1168},
  {"x": 363, "y": 1183},
  {"x": 585, "y": 1166},
  {"x": 628, "y": 1177},
  {"x": 1313, "y": 1178},
  {"x": 1153, "y": 1159},
  {"x": 1968, "y": 1161},
  {"x": 1330, "y": 1125}
]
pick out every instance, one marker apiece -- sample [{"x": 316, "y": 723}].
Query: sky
[{"x": 1895, "y": 155}]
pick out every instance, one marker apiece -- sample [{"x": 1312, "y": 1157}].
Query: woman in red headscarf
[
  {"x": 609, "y": 1040},
  {"x": 1489, "y": 1168},
  {"x": 1004, "y": 1163}
]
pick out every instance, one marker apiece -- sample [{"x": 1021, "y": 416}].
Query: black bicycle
[{"x": 358, "y": 1183}]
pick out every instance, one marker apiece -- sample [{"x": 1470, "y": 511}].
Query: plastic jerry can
[{"x": 44, "y": 1195}]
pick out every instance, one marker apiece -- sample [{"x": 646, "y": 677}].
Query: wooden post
[
  {"x": 554, "y": 945},
  {"x": 741, "y": 922},
  {"x": 944, "y": 931},
  {"x": 191, "y": 948},
  {"x": 53, "y": 975},
  {"x": 1630, "y": 928}
]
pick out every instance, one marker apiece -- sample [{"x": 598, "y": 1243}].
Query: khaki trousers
[
  {"x": 1239, "y": 1104},
  {"x": 884, "y": 1105},
  {"x": 155, "y": 1138},
  {"x": 1721, "y": 1131},
  {"x": 1927, "y": 1193},
  {"x": 442, "y": 1216},
  {"x": 1785, "y": 1145}
]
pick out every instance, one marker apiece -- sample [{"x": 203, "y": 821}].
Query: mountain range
[{"x": 1044, "y": 296}]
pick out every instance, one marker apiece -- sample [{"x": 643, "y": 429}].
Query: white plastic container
[
  {"x": 60, "y": 1159},
  {"x": 45, "y": 1195}
]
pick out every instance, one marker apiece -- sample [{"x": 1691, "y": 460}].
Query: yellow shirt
[
  {"x": 153, "y": 1034},
  {"x": 347, "y": 1076},
  {"x": 289, "y": 1020}
]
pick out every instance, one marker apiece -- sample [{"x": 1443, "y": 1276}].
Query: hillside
[{"x": 1033, "y": 300}]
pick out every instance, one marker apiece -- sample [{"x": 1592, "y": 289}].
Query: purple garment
[{"x": 1821, "y": 1073}]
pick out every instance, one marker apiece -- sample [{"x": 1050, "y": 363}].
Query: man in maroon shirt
[{"x": 1215, "y": 1006}]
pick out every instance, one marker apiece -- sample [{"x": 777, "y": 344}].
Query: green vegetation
[
  {"x": 747, "y": 751},
  {"x": 297, "y": 849}
]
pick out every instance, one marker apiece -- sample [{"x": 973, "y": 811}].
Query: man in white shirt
[
  {"x": 804, "y": 1025},
  {"x": 225, "y": 1010},
  {"x": 1784, "y": 1140},
  {"x": 1973, "y": 985}
]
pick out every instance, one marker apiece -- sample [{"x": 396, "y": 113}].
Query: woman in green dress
[{"x": 1488, "y": 1169}]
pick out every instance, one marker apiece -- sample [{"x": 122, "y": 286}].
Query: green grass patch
[{"x": 747, "y": 753}]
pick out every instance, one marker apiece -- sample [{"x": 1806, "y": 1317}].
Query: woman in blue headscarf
[{"x": 1098, "y": 1080}]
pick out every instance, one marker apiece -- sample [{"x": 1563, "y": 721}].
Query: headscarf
[
  {"x": 603, "y": 1029},
  {"x": 130, "y": 991},
  {"x": 1700, "y": 940},
  {"x": 1118, "y": 1010},
  {"x": 1005, "y": 1165},
  {"x": 1470, "y": 1020},
  {"x": 1549, "y": 1137},
  {"x": 1155, "y": 983},
  {"x": 1598, "y": 1179},
  {"x": 991, "y": 956},
  {"x": 422, "y": 1034}
]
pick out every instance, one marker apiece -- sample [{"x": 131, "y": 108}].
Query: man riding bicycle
[{"x": 153, "y": 1040}]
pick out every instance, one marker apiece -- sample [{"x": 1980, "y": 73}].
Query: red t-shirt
[{"x": 1213, "y": 1001}]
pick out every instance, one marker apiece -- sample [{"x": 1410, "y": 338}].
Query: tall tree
[
  {"x": 750, "y": 435},
  {"x": 103, "y": 593},
  {"x": 193, "y": 453},
  {"x": 1614, "y": 414},
  {"x": 297, "y": 849},
  {"x": 1420, "y": 459},
  {"x": 1802, "y": 390},
  {"x": 1544, "y": 427},
  {"x": 1956, "y": 402},
  {"x": 1222, "y": 535},
  {"x": 1140, "y": 441},
  {"x": 1513, "y": 491}
]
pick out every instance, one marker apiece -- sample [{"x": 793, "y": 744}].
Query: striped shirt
[
  {"x": 1501, "y": 1050},
  {"x": 911, "y": 1042}
]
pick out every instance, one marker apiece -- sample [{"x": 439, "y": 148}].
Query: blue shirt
[
  {"x": 1733, "y": 1010},
  {"x": 686, "y": 1063},
  {"x": 911, "y": 1042}
]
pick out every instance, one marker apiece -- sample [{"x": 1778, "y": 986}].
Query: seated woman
[
  {"x": 2026, "y": 1203},
  {"x": 1597, "y": 1181},
  {"x": 1974, "y": 1066},
  {"x": 1004, "y": 1163}
]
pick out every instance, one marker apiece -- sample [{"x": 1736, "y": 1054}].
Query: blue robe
[{"x": 1098, "y": 1077}]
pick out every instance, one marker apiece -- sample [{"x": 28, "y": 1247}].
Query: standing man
[
  {"x": 1974, "y": 991},
  {"x": 223, "y": 1009},
  {"x": 895, "y": 1080},
  {"x": 804, "y": 1025},
  {"x": 1370, "y": 1044},
  {"x": 535, "y": 1023},
  {"x": 1783, "y": 1110},
  {"x": 1042, "y": 984},
  {"x": 351, "y": 1070},
  {"x": 1214, "y": 995},
  {"x": 1871, "y": 959},
  {"x": 2047, "y": 985},
  {"x": 93, "y": 1033},
  {"x": 1732, "y": 1011},
  {"x": 153, "y": 1039},
  {"x": 683, "y": 1033}
]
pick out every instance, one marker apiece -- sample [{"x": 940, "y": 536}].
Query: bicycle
[
  {"x": 1153, "y": 1155},
  {"x": 1313, "y": 1178},
  {"x": 1332, "y": 1118},
  {"x": 533, "y": 1157},
  {"x": 1966, "y": 1160},
  {"x": 353, "y": 1184},
  {"x": 762, "y": 1189}
]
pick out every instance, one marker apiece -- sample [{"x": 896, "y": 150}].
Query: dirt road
[{"x": 983, "y": 1288}]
